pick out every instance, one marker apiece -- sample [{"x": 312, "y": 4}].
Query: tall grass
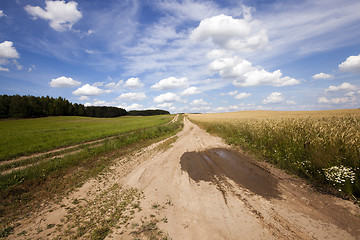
[
  {"x": 25, "y": 136},
  {"x": 324, "y": 149}
]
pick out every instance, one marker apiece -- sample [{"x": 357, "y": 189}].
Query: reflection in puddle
[{"x": 218, "y": 164}]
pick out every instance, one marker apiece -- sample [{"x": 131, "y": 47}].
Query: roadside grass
[
  {"x": 26, "y": 136},
  {"x": 22, "y": 192},
  {"x": 323, "y": 147}
]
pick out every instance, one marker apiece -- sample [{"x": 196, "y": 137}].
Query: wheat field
[{"x": 322, "y": 146}]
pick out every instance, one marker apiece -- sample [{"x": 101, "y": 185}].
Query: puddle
[{"x": 217, "y": 164}]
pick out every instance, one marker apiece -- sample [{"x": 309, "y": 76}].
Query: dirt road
[{"x": 195, "y": 186}]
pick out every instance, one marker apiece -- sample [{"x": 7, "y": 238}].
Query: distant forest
[{"x": 17, "y": 106}]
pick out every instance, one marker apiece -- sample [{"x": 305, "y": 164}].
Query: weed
[
  {"x": 50, "y": 226},
  {"x": 155, "y": 206},
  {"x": 100, "y": 233},
  {"x": 7, "y": 231},
  {"x": 23, "y": 233}
]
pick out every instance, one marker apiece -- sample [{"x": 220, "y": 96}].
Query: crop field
[
  {"x": 27, "y": 180},
  {"x": 322, "y": 146},
  {"x": 25, "y": 136}
]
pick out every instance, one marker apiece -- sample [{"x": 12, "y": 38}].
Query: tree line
[
  {"x": 149, "y": 112},
  {"x": 17, "y": 106}
]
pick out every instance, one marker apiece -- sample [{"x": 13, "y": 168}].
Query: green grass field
[
  {"x": 25, "y": 189},
  {"x": 26, "y": 136}
]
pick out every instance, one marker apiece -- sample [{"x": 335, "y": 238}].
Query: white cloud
[
  {"x": 334, "y": 100},
  {"x": 7, "y": 50},
  {"x": 2, "y": 14},
  {"x": 190, "y": 91},
  {"x": 165, "y": 105},
  {"x": 170, "y": 83},
  {"x": 134, "y": 106},
  {"x": 167, "y": 97},
  {"x": 305, "y": 27},
  {"x": 233, "y": 93},
  {"x": 133, "y": 83},
  {"x": 88, "y": 90},
  {"x": 244, "y": 74},
  {"x": 352, "y": 64},
  {"x": 216, "y": 53},
  {"x": 84, "y": 98},
  {"x": 343, "y": 87},
  {"x": 64, "y": 82},
  {"x": 4, "y": 69},
  {"x": 17, "y": 64},
  {"x": 99, "y": 103},
  {"x": 291, "y": 102},
  {"x": 231, "y": 33},
  {"x": 274, "y": 97},
  {"x": 62, "y": 15},
  {"x": 98, "y": 84},
  {"x": 190, "y": 10},
  {"x": 132, "y": 96},
  {"x": 113, "y": 85},
  {"x": 242, "y": 95},
  {"x": 322, "y": 76},
  {"x": 199, "y": 102},
  {"x": 32, "y": 67}
]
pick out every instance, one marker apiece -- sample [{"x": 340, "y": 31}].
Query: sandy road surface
[{"x": 201, "y": 189}]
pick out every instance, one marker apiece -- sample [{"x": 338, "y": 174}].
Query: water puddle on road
[{"x": 217, "y": 164}]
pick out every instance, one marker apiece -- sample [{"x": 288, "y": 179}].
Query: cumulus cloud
[
  {"x": 2, "y": 69},
  {"x": 132, "y": 96},
  {"x": 242, "y": 95},
  {"x": 2, "y": 14},
  {"x": 62, "y": 15},
  {"x": 290, "y": 102},
  {"x": 199, "y": 102},
  {"x": 190, "y": 91},
  {"x": 322, "y": 76},
  {"x": 88, "y": 90},
  {"x": 133, "y": 83},
  {"x": 216, "y": 53},
  {"x": 352, "y": 64},
  {"x": 231, "y": 33},
  {"x": 134, "y": 106},
  {"x": 334, "y": 100},
  {"x": 165, "y": 105},
  {"x": 167, "y": 97},
  {"x": 84, "y": 98},
  {"x": 244, "y": 74},
  {"x": 32, "y": 67},
  {"x": 233, "y": 93},
  {"x": 274, "y": 97},
  {"x": 99, "y": 103},
  {"x": 343, "y": 87},
  {"x": 170, "y": 83},
  {"x": 64, "y": 82},
  {"x": 113, "y": 85},
  {"x": 8, "y": 51}
]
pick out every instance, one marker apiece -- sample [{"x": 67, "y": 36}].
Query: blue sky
[{"x": 184, "y": 56}]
